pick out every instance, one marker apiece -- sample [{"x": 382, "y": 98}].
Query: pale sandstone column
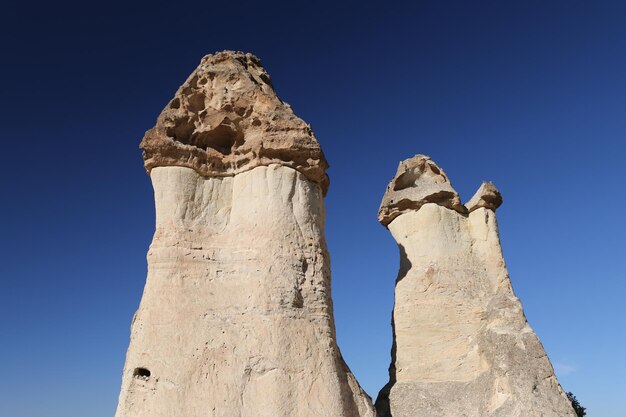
[
  {"x": 462, "y": 346},
  {"x": 236, "y": 318}
]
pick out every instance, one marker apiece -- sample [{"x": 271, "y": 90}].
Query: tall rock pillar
[
  {"x": 236, "y": 317},
  {"x": 462, "y": 346}
]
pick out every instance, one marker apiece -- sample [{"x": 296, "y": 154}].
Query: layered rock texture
[
  {"x": 462, "y": 346},
  {"x": 236, "y": 318}
]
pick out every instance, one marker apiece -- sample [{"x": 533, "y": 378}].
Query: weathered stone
[
  {"x": 462, "y": 346},
  {"x": 226, "y": 119},
  {"x": 236, "y": 317},
  {"x": 487, "y": 196},
  {"x": 418, "y": 181}
]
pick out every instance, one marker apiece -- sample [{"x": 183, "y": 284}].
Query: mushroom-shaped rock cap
[
  {"x": 487, "y": 196},
  {"x": 418, "y": 181},
  {"x": 226, "y": 119}
]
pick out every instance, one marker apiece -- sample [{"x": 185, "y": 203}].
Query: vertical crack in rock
[
  {"x": 461, "y": 343},
  {"x": 236, "y": 316}
]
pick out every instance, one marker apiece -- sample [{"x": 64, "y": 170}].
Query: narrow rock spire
[{"x": 236, "y": 317}]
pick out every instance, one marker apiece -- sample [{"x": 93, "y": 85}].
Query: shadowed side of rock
[{"x": 462, "y": 345}]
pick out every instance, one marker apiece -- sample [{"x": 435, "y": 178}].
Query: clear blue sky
[{"x": 531, "y": 95}]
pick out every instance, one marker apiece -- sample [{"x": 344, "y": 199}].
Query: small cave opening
[
  {"x": 406, "y": 180},
  {"x": 181, "y": 130},
  {"x": 223, "y": 138},
  {"x": 297, "y": 300},
  {"x": 196, "y": 102},
  {"x": 434, "y": 169},
  {"x": 142, "y": 373},
  {"x": 175, "y": 104}
]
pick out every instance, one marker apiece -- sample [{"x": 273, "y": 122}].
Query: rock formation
[
  {"x": 462, "y": 346},
  {"x": 236, "y": 317}
]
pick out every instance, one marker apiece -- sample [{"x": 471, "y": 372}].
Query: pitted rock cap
[
  {"x": 226, "y": 119},
  {"x": 418, "y": 181}
]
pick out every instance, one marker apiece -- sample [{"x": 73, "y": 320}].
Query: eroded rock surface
[
  {"x": 226, "y": 119},
  {"x": 236, "y": 317},
  {"x": 462, "y": 346}
]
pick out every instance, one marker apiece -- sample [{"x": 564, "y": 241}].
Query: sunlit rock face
[
  {"x": 236, "y": 317},
  {"x": 462, "y": 346}
]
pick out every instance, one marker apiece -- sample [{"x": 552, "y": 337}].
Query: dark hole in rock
[
  {"x": 434, "y": 169},
  {"x": 196, "y": 102},
  {"x": 405, "y": 180},
  {"x": 175, "y": 104},
  {"x": 243, "y": 62},
  {"x": 298, "y": 300},
  {"x": 222, "y": 138},
  {"x": 239, "y": 140},
  {"x": 141, "y": 373},
  {"x": 182, "y": 130},
  {"x": 266, "y": 78}
]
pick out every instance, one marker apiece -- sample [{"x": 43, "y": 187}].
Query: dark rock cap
[{"x": 226, "y": 119}]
